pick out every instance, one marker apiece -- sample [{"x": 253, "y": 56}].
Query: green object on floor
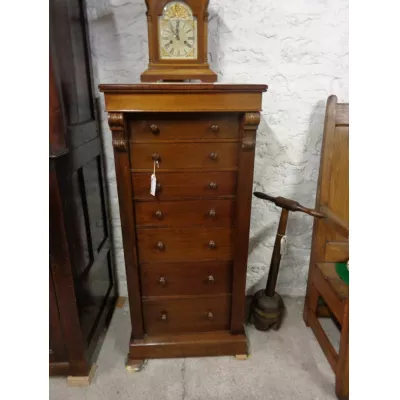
[{"x": 343, "y": 272}]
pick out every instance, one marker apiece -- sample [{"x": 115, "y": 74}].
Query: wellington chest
[{"x": 186, "y": 230}]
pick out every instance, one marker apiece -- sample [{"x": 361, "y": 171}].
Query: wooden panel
[
  {"x": 338, "y": 200},
  {"x": 198, "y": 88},
  {"x": 336, "y": 251},
  {"x": 248, "y": 127},
  {"x": 210, "y": 156},
  {"x": 201, "y": 314},
  {"x": 122, "y": 169},
  {"x": 214, "y": 212},
  {"x": 187, "y": 126},
  {"x": 170, "y": 279},
  {"x": 182, "y": 185},
  {"x": 184, "y": 244},
  {"x": 184, "y": 102},
  {"x": 218, "y": 343},
  {"x": 328, "y": 271},
  {"x": 57, "y": 137},
  {"x": 56, "y": 341}
]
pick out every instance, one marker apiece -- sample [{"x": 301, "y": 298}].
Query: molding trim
[
  {"x": 251, "y": 122},
  {"x": 116, "y": 124}
]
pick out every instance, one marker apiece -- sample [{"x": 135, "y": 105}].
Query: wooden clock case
[{"x": 178, "y": 70}]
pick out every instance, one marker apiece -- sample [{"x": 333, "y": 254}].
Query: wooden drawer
[
  {"x": 177, "y": 279},
  {"x": 179, "y": 185},
  {"x": 208, "y": 156},
  {"x": 171, "y": 126},
  {"x": 200, "y": 314},
  {"x": 185, "y": 213},
  {"x": 184, "y": 244}
]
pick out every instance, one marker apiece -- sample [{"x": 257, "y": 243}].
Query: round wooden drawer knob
[
  {"x": 159, "y": 214},
  {"x": 154, "y": 128},
  {"x": 215, "y": 128},
  {"x": 160, "y": 246},
  {"x": 210, "y": 315},
  {"x": 162, "y": 281},
  {"x": 213, "y": 185},
  {"x": 210, "y": 279},
  {"x": 212, "y": 213},
  {"x": 164, "y": 316},
  {"x": 213, "y": 156},
  {"x": 211, "y": 244},
  {"x": 156, "y": 157}
]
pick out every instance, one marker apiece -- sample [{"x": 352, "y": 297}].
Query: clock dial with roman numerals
[{"x": 177, "y": 32}]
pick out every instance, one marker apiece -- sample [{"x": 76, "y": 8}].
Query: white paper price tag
[
  {"x": 153, "y": 184},
  {"x": 283, "y": 245}
]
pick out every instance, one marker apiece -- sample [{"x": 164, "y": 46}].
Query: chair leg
[
  {"x": 342, "y": 366},
  {"x": 311, "y": 302},
  {"x": 307, "y": 299}
]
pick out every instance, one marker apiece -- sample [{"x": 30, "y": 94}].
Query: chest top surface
[{"x": 182, "y": 97}]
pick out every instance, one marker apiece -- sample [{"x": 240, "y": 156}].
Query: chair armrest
[
  {"x": 288, "y": 204},
  {"x": 335, "y": 221}
]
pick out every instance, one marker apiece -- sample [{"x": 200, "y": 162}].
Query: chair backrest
[{"x": 330, "y": 236}]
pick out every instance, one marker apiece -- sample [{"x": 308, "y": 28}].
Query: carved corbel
[
  {"x": 251, "y": 122},
  {"x": 116, "y": 124}
]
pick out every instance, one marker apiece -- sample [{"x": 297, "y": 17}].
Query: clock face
[{"x": 177, "y": 28}]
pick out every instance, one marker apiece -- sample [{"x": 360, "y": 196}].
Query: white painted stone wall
[{"x": 300, "y": 49}]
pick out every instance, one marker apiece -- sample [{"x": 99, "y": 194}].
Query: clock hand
[
  {"x": 177, "y": 29},
  {"x": 172, "y": 29}
]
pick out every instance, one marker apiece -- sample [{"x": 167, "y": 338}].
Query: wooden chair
[{"x": 330, "y": 243}]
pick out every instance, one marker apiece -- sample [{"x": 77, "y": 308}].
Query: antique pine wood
[
  {"x": 81, "y": 271},
  {"x": 186, "y": 247},
  {"x": 178, "y": 70},
  {"x": 330, "y": 243}
]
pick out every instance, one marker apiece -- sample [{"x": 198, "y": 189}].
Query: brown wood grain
[
  {"x": 206, "y": 156},
  {"x": 206, "y": 212},
  {"x": 196, "y": 88},
  {"x": 187, "y": 315},
  {"x": 154, "y": 127},
  {"x": 336, "y": 251},
  {"x": 190, "y": 278},
  {"x": 184, "y": 185},
  {"x": 185, "y": 244},
  {"x": 248, "y": 127},
  {"x": 200, "y": 344},
  {"x": 124, "y": 186},
  {"x": 184, "y": 102}
]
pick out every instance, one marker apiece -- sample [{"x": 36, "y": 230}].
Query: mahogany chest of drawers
[{"x": 185, "y": 247}]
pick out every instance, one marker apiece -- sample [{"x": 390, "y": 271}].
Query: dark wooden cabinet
[
  {"x": 82, "y": 287},
  {"x": 185, "y": 247}
]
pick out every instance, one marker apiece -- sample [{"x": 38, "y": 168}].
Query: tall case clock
[{"x": 178, "y": 33}]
